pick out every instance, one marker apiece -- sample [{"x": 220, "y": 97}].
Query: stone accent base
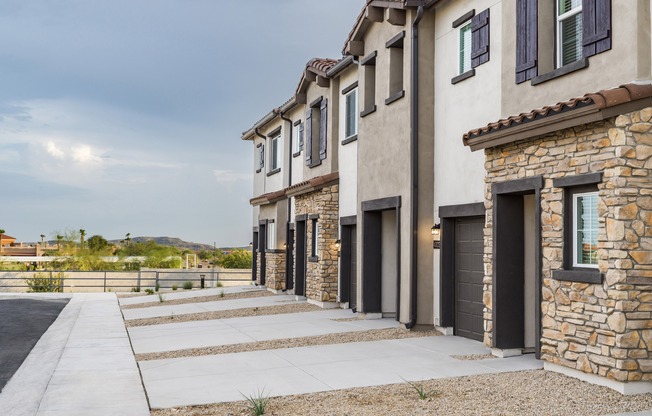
[
  {"x": 275, "y": 271},
  {"x": 324, "y": 305},
  {"x": 631, "y": 388}
]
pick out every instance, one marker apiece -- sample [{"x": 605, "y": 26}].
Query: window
[
  {"x": 315, "y": 234},
  {"x": 585, "y": 229},
  {"x": 297, "y": 138},
  {"x": 569, "y": 31},
  {"x": 464, "y": 58},
  {"x": 351, "y": 114},
  {"x": 582, "y": 28},
  {"x": 271, "y": 236},
  {"x": 275, "y": 153},
  {"x": 369, "y": 102},
  {"x": 395, "y": 46},
  {"x": 316, "y": 122}
]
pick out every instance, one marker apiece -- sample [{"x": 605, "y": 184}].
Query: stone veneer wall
[
  {"x": 258, "y": 264},
  {"x": 321, "y": 275},
  {"x": 605, "y": 329},
  {"x": 275, "y": 270}
]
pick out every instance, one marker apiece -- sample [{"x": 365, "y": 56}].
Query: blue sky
[{"x": 125, "y": 116}]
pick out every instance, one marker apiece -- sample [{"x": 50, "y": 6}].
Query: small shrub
[
  {"x": 135, "y": 289},
  {"x": 175, "y": 287},
  {"x": 219, "y": 284},
  {"x": 221, "y": 293},
  {"x": 187, "y": 285},
  {"x": 149, "y": 291},
  {"x": 42, "y": 282},
  {"x": 420, "y": 389},
  {"x": 257, "y": 403},
  {"x": 161, "y": 297}
]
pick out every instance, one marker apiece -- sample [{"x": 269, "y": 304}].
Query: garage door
[{"x": 469, "y": 273}]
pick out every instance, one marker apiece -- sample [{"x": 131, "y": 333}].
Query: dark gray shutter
[
  {"x": 526, "y": 40},
  {"x": 301, "y": 136},
  {"x": 309, "y": 137},
  {"x": 261, "y": 156},
  {"x": 596, "y": 26},
  {"x": 323, "y": 108},
  {"x": 480, "y": 39}
]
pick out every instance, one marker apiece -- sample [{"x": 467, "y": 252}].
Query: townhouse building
[{"x": 434, "y": 194}]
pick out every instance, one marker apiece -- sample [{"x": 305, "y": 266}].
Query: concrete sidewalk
[
  {"x": 83, "y": 365},
  {"x": 188, "y": 294},
  {"x": 198, "y": 334},
  {"x": 222, "y": 378},
  {"x": 220, "y": 305}
]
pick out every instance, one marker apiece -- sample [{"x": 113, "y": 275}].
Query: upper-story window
[
  {"x": 369, "y": 92},
  {"x": 396, "y": 58},
  {"x": 297, "y": 138},
  {"x": 351, "y": 113},
  {"x": 569, "y": 31},
  {"x": 464, "y": 59},
  {"x": 275, "y": 153},
  {"x": 585, "y": 229},
  {"x": 316, "y": 131}
]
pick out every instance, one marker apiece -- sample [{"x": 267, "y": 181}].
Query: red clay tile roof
[
  {"x": 321, "y": 65},
  {"x": 312, "y": 184},
  {"x": 601, "y": 99}
]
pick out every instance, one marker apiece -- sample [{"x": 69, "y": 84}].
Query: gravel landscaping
[
  {"x": 231, "y": 313},
  {"x": 338, "y": 338},
  {"x": 201, "y": 299},
  {"x": 535, "y": 392}
]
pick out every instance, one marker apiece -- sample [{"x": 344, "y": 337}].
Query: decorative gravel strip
[
  {"x": 338, "y": 338},
  {"x": 346, "y": 319},
  {"x": 474, "y": 357},
  {"x": 200, "y": 299},
  {"x": 534, "y": 392},
  {"x": 231, "y": 313}
]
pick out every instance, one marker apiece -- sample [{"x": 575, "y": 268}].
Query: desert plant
[
  {"x": 41, "y": 282},
  {"x": 187, "y": 285},
  {"x": 161, "y": 297},
  {"x": 221, "y": 293},
  {"x": 257, "y": 403},
  {"x": 149, "y": 291},
  {"x": 175, "y": 287},
  {"x": 135, "y": 289},
  {"x": 219, "y": 284},
  {"x": 420, "y": 389}
]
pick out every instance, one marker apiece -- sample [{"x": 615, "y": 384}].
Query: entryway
[
  {"x": 348, "y": 262},
  {"x": 300, "y": 257}
]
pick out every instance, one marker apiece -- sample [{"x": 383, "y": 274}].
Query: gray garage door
[{"x": 469, "y": 247}]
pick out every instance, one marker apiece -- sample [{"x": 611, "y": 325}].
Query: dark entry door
[
  {"x": 353, "y": 269},
  {"x": 469, "y": 273},
  {"x": 300, "y": 259},
  {"x": 262, "y": 246},
  {"x": 289, "y": 272},
  {"x": 254, "y": 257}
]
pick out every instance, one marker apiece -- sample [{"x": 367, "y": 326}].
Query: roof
[
  {"x": 361, "y": 21},
  {"x": 592, "y": 106},
  {"x": 7, "y": 238},
  {"x": 300, "y": 188},
  {"x": 321, "y": 65}
]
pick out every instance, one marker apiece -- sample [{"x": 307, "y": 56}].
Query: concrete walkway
[
  {"x": 198, "y": 334},
  {"x": 83, "y": 365},
  {"x": 188, "y": 294},
  {"x": 221, "y": 378},
  {"x": 220, "y": 305}
]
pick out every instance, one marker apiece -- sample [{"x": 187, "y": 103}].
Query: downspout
[
  {"x": 414, "y": 159},
  {"x": 287, "y": 223}
]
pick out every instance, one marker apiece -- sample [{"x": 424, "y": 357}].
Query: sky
[{"x": 125, "y": 116}]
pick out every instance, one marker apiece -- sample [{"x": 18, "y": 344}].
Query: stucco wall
[{"x": 348, "y": 154}]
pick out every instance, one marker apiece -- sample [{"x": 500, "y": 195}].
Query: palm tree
[
  {"x": 82, "y": 234},
  {"x": 59, "y": 238},
  {"x": 128, "y": 237},
  {"x": 1, "y": 233},
  {"x": 43, "y": 240}
]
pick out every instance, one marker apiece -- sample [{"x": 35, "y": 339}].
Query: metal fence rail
[{"x": 125, "y": 281}]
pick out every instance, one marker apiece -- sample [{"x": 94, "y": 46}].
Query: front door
[{"x": 469, "y": 275}]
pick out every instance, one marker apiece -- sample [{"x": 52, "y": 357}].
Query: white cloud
[
  {"x": 84, "y": 154},
  {"x": 54, "y": 150},
  {"x": 229, "y": 176}
]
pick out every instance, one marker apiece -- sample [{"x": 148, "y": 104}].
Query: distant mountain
[{"x": 171, "y": 241}]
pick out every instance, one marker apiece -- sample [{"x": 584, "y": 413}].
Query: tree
[
  {"x": 237, "y": 259},
  {"x": 82, "y": 234},
  {"x": 59, "y": 240},
  {"x": 97, "y": 243},
  {"x": 1, "y": 233}
]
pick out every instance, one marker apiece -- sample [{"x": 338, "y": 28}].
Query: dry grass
[
  {"x": 535, "y": 392},
  {"x": 201, "y": 299}
]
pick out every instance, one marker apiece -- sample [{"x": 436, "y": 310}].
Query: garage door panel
[{"x": 469, "y": 276}]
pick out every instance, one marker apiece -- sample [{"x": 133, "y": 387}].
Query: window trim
[
  {"x": 297, "y": 138},
  {"x": 559, "y": 19},
  {"x": 355, "y": 114},
  {"x": 275, "y": 162},
  {"x": 575, "y": 231},
  {"x": 468, "y": 26},
  {"x": 314, "y": 240}
]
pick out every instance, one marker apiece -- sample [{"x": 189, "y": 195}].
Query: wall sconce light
[
  {"x": 251, "y": 245},
  {"x": 436, "y": 236},
  {"x": 338, "y": 244},
  {"x": 285, "y": 246}
]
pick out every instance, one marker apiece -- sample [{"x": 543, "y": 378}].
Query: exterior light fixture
[
  {"x": 436, "y": 236},
  {"x": 338, "y": 244}
]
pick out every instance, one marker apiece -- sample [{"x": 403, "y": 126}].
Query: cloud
[
  {"x": 229, "y": 177},
  {"x": 54, "y": 151},
  {"x": 84, "y": 154}
]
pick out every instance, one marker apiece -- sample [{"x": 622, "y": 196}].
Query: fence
[{"x": 115, "y": 281}]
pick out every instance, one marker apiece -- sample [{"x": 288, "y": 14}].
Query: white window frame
[
  {"x": 576, "y": 197},
  {"x": 558, "y": 38},
  {"x": 276, "y": 145},
  {"x": 353, "y": 92},
  {"x": 461, "y": 50},
  {"x": 296, "y": 144},
  {"x": 271, "y": 235}
]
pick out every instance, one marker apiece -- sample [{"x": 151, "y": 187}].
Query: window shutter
[
  {"x": 261, "y": 156},
  {"x": 309, "y": 137},
  {"x": 596, "y": 26},
  {"x": 323, "y": 108},
  {"x": 301, "y": 136},
  {"x": 526, "y": 40},
  {"x": 480, "y": 39}
]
